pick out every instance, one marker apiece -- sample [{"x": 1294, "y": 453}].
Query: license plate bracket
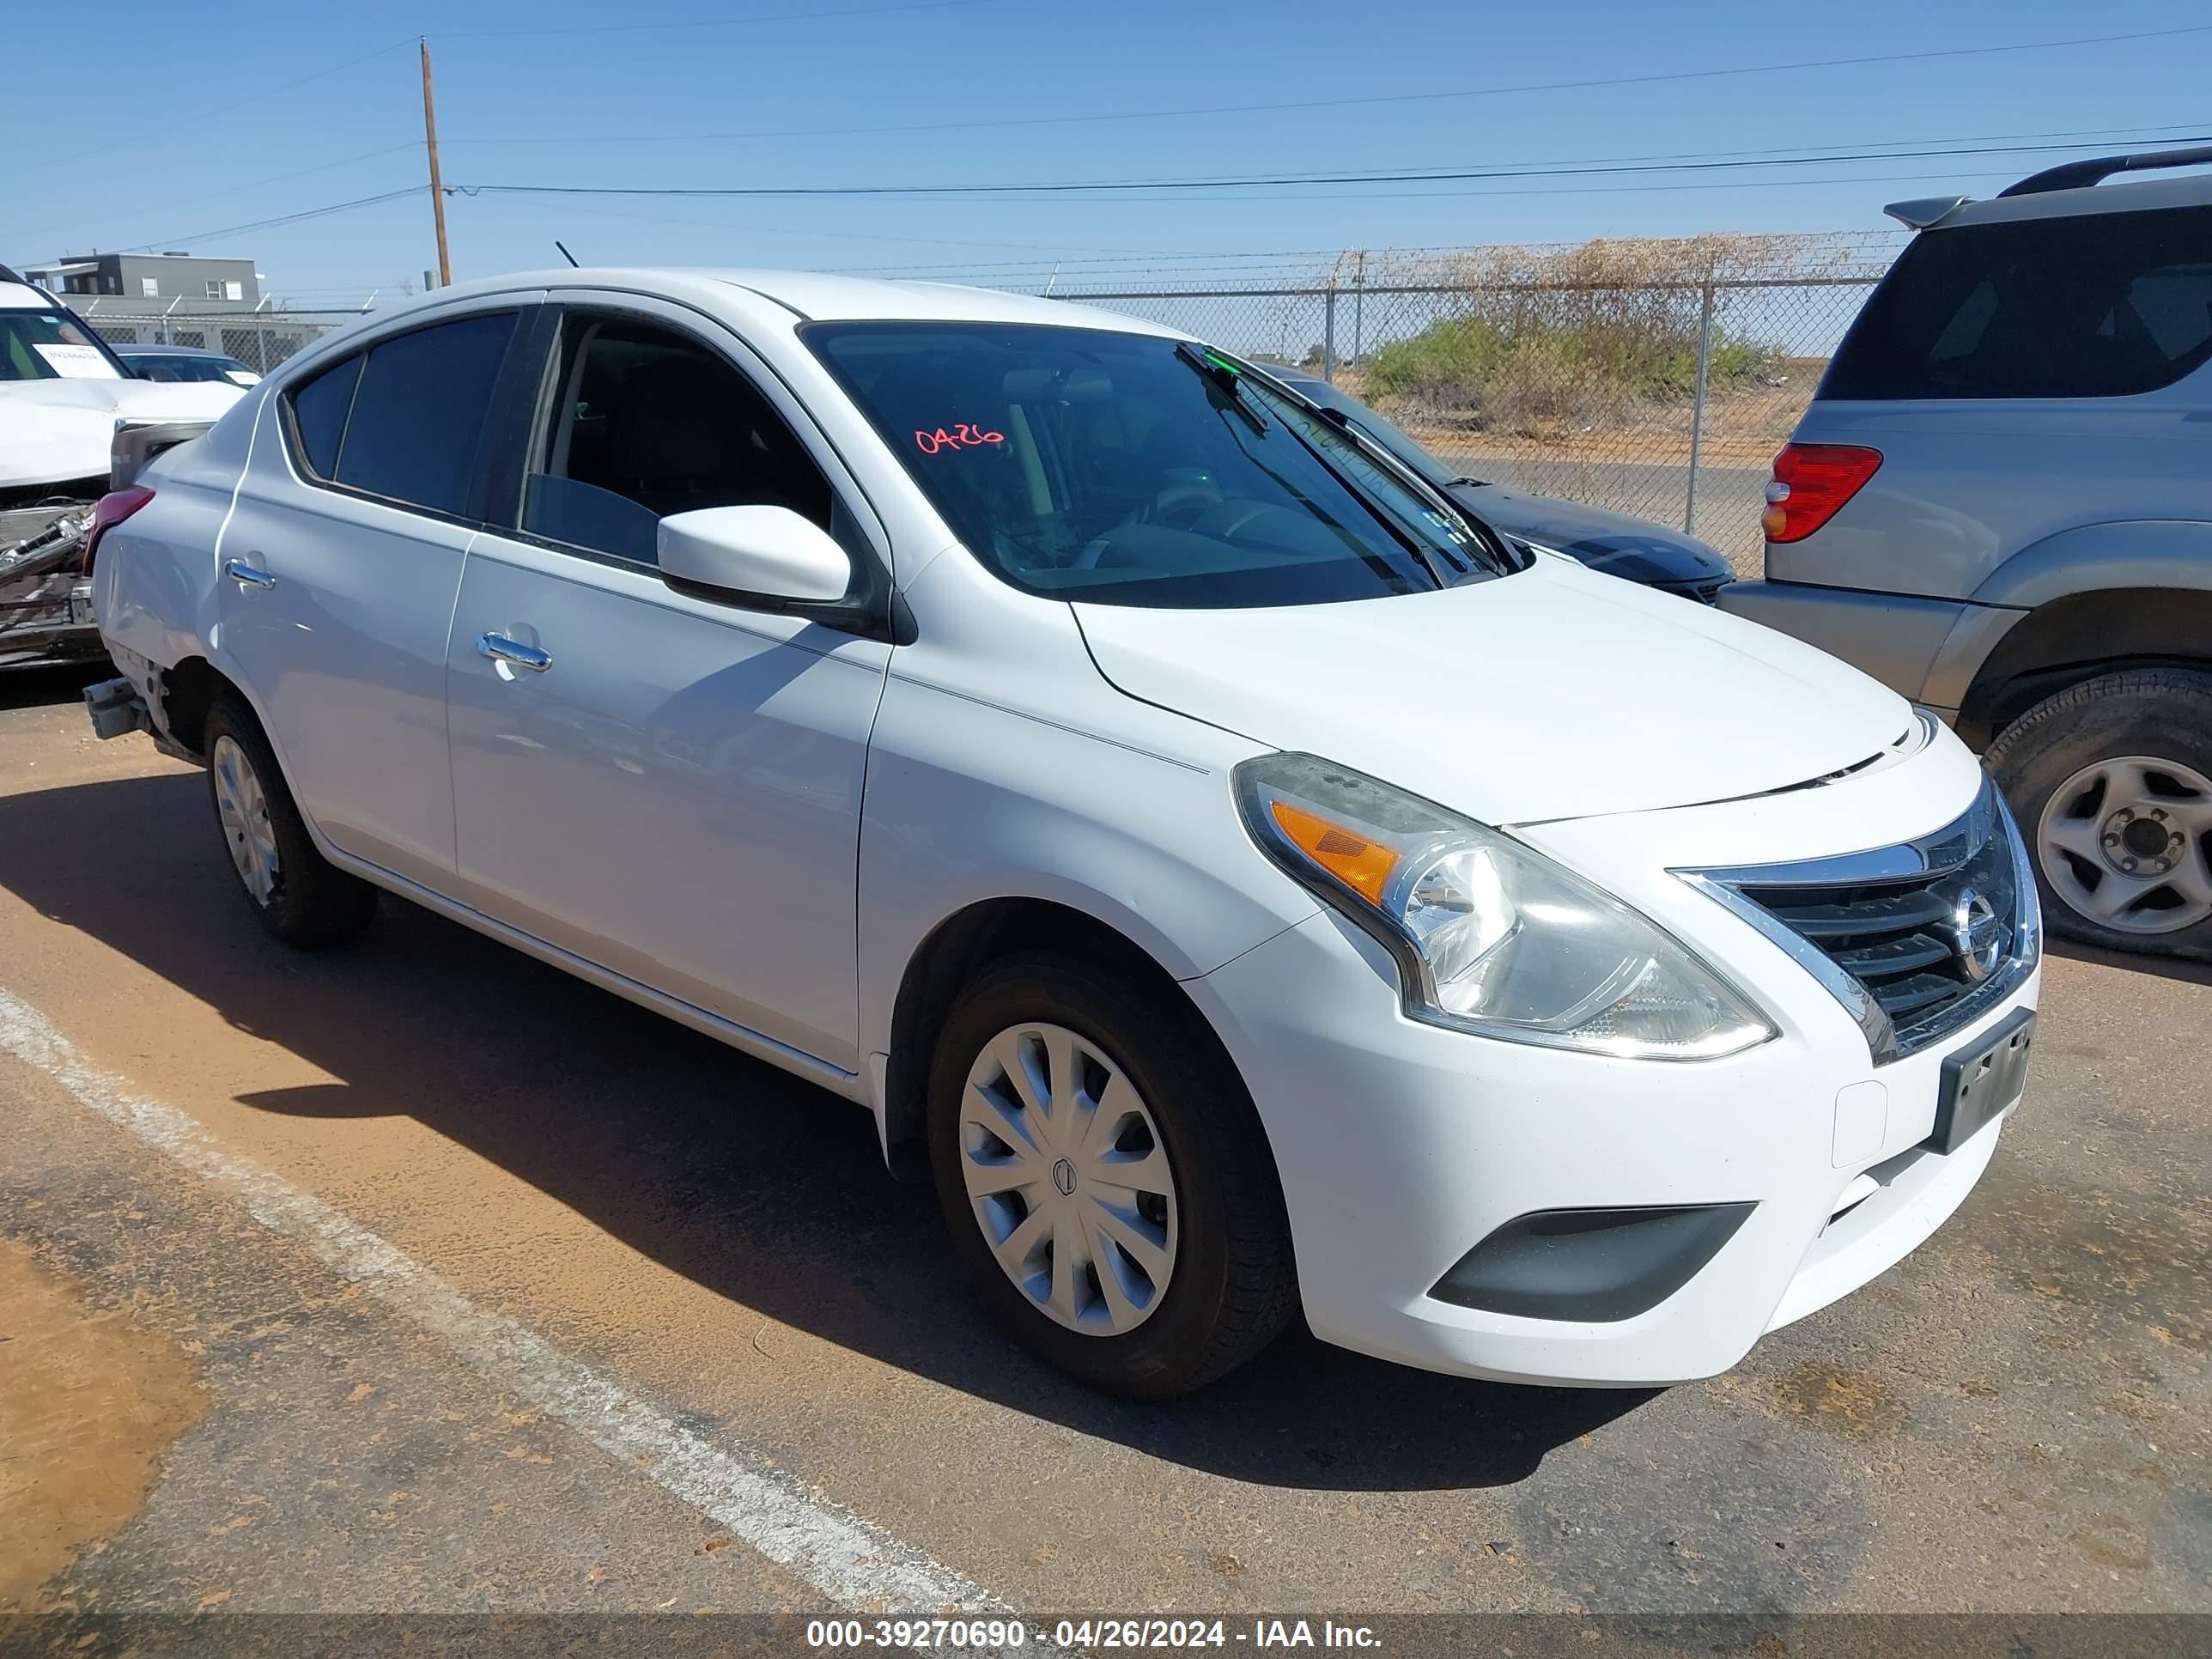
[{"x": 1980, "y": 1082}]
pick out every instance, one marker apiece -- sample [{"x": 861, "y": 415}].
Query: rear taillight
[
  {"x": 114, "y": 508},
  {"x": 1811, "y": 482}
]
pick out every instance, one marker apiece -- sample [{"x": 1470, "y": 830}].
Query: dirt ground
[{"x": 88, "y": 1404}]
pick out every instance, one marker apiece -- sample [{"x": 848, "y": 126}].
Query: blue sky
[{"x": 182, "y": 123}]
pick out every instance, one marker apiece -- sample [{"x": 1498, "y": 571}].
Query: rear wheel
[
  {"x": 299, "y": 896},
  {"x": 1108, "y": 1189},
  {"x": 2111, "y": 783}
]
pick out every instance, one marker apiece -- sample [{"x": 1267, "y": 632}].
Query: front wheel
[
  {"x": 2111, "y": 783},
  {"x": 1108, "y": 1189}
]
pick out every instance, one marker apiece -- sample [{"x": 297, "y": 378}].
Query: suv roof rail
[
  {"x": 9, "y": 276},
  {"x": 2076, "y": 175}
]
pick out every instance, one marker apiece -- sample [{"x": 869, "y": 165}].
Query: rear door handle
[
  {"x": 499, "y": 648},
  {"x": 246, "y": 575}
]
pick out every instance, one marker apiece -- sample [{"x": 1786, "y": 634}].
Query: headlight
[{"x": 1490, "y": 936}]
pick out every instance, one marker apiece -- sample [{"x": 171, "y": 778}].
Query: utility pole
[{"x": 437, "y": 189}]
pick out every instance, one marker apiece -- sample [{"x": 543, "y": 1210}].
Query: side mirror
[{"x": 766, "y": 555}]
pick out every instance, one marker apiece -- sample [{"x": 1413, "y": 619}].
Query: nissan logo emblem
[{"x": 1972, "y": 913}]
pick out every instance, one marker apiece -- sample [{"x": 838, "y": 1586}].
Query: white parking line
[{"x": 852, "y": 1561}]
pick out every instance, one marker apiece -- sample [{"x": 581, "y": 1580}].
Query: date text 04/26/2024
[{"x": 997, "y": 1635}]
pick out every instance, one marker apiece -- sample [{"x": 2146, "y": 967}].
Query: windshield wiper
[{"x": 1220, "y": 375}]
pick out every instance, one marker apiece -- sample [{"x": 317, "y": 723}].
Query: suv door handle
[
  {"x": 246, "y": 575},
  {"x": 499, "y": 648}
]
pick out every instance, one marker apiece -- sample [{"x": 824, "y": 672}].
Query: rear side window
[
  {"x": 403, "y": 419},
  {"x": 2099, "y": 307},
  {"x": 319, "y": 414},
  {"x": 422, "y": 403}
]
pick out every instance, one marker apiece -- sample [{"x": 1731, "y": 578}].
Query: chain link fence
[
  {"x": 260, "y": 339},
  {"x": 1655, "y": 379}
]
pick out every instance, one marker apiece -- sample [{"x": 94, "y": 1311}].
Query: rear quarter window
[
  {"x": 318, "y": 415},
  {"x": 2102, "y": 305}
]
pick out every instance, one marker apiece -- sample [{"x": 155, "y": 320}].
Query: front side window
[
  {"x": 156, "y": 366},
  {"x": 2103, "y": 306},
  {"x": 1131, "y": 469},
  {"x": 403, "y": 419},
  {"x": 645, "y": 422},
  {"x": 49, "y": 345}
]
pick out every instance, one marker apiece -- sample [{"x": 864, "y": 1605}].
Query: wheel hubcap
[
  {"x": 1068, "y": 1179},
  {"x": 243, "y": 809},
  {"x": 2128, "y": 843}
]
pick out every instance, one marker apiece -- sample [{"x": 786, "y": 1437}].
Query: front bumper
[{"x": 1401, "y": 1145}]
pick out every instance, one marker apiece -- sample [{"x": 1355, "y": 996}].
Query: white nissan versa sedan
[{"x": 1241, "y": 881}]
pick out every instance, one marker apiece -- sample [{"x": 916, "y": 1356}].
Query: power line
[
  {"x": 703, "y": 22},
  {"x": 231, "y": 190},
  {"x": 282, "y": 219},
  {"x": 1575, "y": 190},
  {"x": 1257, "y": 181},
  {"x": 1497, "y": 91}
]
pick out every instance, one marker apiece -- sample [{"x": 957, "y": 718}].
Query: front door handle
[
  {"x": 246, "y": 575},
  {"x": 499, "y": 648}
]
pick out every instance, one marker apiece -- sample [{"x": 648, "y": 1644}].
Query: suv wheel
[
  {"x": 299, "y": 896},
  {"x": 1108, "y": 1189},
  {"x": 2111, "y": 783}
]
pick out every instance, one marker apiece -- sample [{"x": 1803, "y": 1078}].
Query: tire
[
  {"x": 2080, "y": 769},
  {"x": 299, "y": 896},
  {"x": 1228, "y": 1287}
]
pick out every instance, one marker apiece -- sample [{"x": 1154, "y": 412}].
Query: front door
[
  {"x": 339, "y": 566},
  {"x": 664, "y": 785}
]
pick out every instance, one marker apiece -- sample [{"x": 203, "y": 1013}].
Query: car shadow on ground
[
  {"x": 59, "y": 683},
  {"x": 2187, "y": 973},
  {"x": 760, "y": 1188}
]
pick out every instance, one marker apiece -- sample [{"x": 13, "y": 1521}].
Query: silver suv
[{"x": 1999, "y": 503}]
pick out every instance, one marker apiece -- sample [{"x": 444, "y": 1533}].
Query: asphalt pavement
[{"x": 420, "y": 1277}]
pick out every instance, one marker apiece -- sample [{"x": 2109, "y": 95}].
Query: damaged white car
[{"x": 65, "y": 400}]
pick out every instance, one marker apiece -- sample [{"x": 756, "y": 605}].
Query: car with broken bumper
[
  {"x": 64, "y": 396},
  {"x": 1241, "y": 882}
]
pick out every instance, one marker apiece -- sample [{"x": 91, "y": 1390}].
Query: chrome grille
[{"x": 1916, "y": 940}]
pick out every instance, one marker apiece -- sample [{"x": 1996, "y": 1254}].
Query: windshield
[
  {"x": 1391, "y": 437},
  {"x": 1129, "y": 468},
  {"x": 160, "y": 366},
  {"x": 49, "y": 345}
]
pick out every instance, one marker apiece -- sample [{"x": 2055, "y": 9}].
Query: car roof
[
  {"x": 810, "y": 295},
  {"x": 2136, "y": 195},
  {"x": 169, "y": 351}
]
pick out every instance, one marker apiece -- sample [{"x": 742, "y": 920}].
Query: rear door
[
  {"x": 666, "y": 785},
  {"x": 339, "y": 567}
]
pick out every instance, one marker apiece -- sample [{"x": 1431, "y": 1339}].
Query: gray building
[{"x": 141, "y": 279}]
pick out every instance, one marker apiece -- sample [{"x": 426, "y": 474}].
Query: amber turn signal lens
[{"x": 1361, "y": 865}]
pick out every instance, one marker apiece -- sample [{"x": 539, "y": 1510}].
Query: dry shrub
[{"x": 1546, "y": 339}]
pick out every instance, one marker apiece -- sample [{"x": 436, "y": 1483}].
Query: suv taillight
[
  {"x": 1811, "y": 482},
  {"x": 113, "y": 509}
]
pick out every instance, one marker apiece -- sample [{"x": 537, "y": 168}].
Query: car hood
[
  {"x": 1552, "y": 692},
  {"x": 51, "y": 431},
  {"x": 1614, "y": 543}
]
